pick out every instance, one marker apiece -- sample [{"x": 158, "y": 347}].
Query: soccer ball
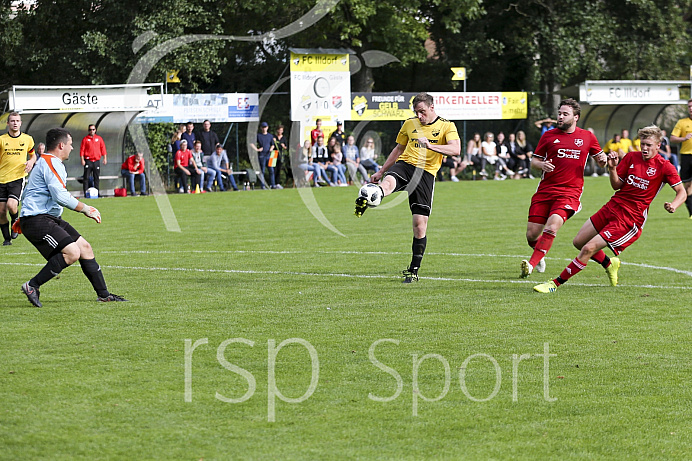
[
  {"x": 372, "y": 194},
  {"x": 92, "y": 192}
]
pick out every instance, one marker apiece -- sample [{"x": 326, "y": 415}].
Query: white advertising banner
[
  {"x": 215, "y": 107},
  {"x": 320, "y": 87},
  {"x": 104, "y": 98},
  {"x": 481, "y": 106},
  {"x": 630, "y": 92}
]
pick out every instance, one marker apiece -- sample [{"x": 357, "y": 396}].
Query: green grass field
[{"x": 83, "y": 380}]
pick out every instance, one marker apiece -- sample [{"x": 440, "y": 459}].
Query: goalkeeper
[{"x": 43, "y": 200}]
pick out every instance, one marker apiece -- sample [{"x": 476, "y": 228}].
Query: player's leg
[
  {"x": 543, "y": 242},
  {"x": 585, "y": 234},
  {"x": 93, "y": 273},
  {"x": 688, "y": 202},
  {"x": 420, "y": 226},
  {"x": 4, "y": 223},
  {"x": 96, "y": 172}
]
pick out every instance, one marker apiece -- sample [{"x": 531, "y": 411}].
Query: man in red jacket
[
  {"x": 134, "y": 166},
  {"x": 90, "y": 152}
]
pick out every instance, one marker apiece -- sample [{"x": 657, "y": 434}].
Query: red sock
[
  {"x": 543, "y": 244},
  {"x": 601, "y": 258},
  {"x": 571, "y": 270}
]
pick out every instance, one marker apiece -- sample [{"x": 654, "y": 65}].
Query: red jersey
[
  {"x": 184, "y": 156},
  {"x": 92, "y": 148},
  {"x": 314, "y": 134},
  {"x": 643, "y": 180},
  {"x": 129, "y": 165},
  {"x": 568, "y": 152}
]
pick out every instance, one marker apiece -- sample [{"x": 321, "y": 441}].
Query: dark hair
[
  {"x": 197, "y": 141},
  {"x": 280, "y": 126},
  {"x": 55, "y": 136},
  {"x": 576, "y": 108},
  {"x": 422, "y": 97}
]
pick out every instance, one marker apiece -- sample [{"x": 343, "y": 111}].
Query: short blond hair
[{"x": 651, "y": 131}]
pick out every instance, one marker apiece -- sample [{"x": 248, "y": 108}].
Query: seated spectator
[
  {"x": 613, "y": 145},
  {"x": 218, "y": 162},
  {"x": 489, "y": 149},
  {"x": 350, "y": 151},
  {"x": 525, "y": 149},
  {"x": 306, "y": 164},
  {"x": 134, "y": 166},
  {"x": 205, "y": 172},
  {"x": 474, "y": 155},
  {"x": 337, "y": 161},
  {"x": 320, "y": 157},
  {"x": 454, "y": 165},
  {"x": 503, "y": 155},
  {"x": 518, "y": 162},
  {"x": 185, "y": 167},
  {"x": 330, "y": 145},
  {"x": 368, "y": 156}
]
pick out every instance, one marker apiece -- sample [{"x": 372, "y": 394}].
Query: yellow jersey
[
  {"x": 439, "y": 132},
  {"x": 625, "y": 144},
  {"x": 13, "y": 156},
  {"x": 612, "y": 146},
  {"x": 681, "y": 129}
]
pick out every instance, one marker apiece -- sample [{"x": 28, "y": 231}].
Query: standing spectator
[
  {"x": 682, "y": 132},
  {"x": 281, "y": 146},
  {"x": 337, "y": 160},
  {"x": 208, "y": 137},
  {"x": 14, "y": 148},
  {"x": 317, "y": 132},
  {"x": 175, "y": 139},
  {"x": 265, "y": 141},
  {"x": 613, "y": 145},
  {"x": 352, "y": 159},
  {"x": 625, "y": 141},
  {"x": 210, "y": 174},
  {"x": 339, "y": 134},
  {"x": 185, "y": 167},
  {"x": 525, "y": 149},
  {"x": 545, "y": 125},
  {"x": 189, "y": 135},
  {"x": 368, "y": 155},
  {"x": 131, "y": 167},
  {"x": 320, "y": 157},
  {"x": 90, "y": 152},
  {"x": 666, "y": 152},
  {"x": 218, "y": 162}
]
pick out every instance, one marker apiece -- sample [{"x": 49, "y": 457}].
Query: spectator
[
  {"x": 337, "y": 160},
  {"x": 265, "y": 141},
  {"x": 218, "y": 162},
  {"x": 666, "y": 152},
  {"x": 503, "y": 155},
  {"x": 185, "y": 167},
  {"x": 352, "y": 158},
  {"x": 592, "y": 162},
  {"x": 306, "y": 164},
  {"x": 517, "y": 160},
  {"x": 525, "y": 149},
  {"x": 175, "y": 139},
  {"x": 281, "y": 145},
  {"x": 208, "y": 137},
  {"x": 320, "y": 157},
  {"x": 613, "y": 145},
  {"x": 368, "y": 155},
  {"x": 189, "y": 135},
  {"x": 90, "y": 152},
  {"x": 204, "y": 171},
  {"x": 330, "y": 146},
  {"x": 475, "y": 155},
  {"x": 489, "y": 149},
  {"x": 625, "y": 142},
  {"x": 545, "y": 124},
  {"x": 339, "y": 134},
  {"x": 317, "y": 132},
  {"x": 134, "y": 166}
]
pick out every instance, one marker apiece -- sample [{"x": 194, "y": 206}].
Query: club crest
[
  {"x": 579, "y": 142},
  {"x": 651, "y": 171}
]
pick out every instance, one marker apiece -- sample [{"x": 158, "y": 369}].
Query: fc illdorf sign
[
  {"x": 320, "y": 86},
  {"x": 99, "y": 98},
  {"x": 630, "y": 91}
]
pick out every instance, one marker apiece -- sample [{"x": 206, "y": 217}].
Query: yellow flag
[
  {"x": 172, "y": 76},
  {"x": 459, "y": 73}
]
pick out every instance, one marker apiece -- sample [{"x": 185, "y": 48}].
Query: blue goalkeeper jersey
[{"x": 45, "y": 191}]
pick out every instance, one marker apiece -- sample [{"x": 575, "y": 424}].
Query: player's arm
[
  {"x": 451, "y": 149},
  {"x": 539, "y": 158},
  {"x": 615, "y": 181},
  {"x": 82, "y": 151},
  {"x": 674, "y": 138},
  {"x": 104, "y": 154},
  {"x": 31, "y": 162},
  {"x": 59, "y": 193},
  {"x": 391, "y": 160},
  {"x": 680, "y": 197}
]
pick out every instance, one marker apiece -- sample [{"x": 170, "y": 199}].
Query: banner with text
[
  {"x": 215, "y": 107},
  {"x": 106, "y": 98},
  {"x": 452, "y": 106},
  {"x": 631, "y": 92},
  {"x": 320, "y": 86}
]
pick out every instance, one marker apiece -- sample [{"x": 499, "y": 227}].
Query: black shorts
[
  {"x": 48, "y": 234},
  {"x": 448, "y": 161},
  {"x": 12, "y": 189},
  {"x": 686, "y": 167},
  {"x": 419, "y": 184}
]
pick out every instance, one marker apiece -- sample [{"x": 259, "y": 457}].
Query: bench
[{"x": 103, "y": 192}]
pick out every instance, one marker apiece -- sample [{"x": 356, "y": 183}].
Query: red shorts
[
  {"x": 618, "y": 231},
  {"x": 544, "y": 206}
]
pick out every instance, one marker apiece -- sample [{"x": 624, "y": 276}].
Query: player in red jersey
[
  {"x": 637, "y": 180},
  {"x": 561, "y": 154}
]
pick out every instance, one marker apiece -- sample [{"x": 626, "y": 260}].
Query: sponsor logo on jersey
[
  {"x": 579, "y": 142},
  {"x": 568, "y": 153},
  {"x": 638, "y": 182},
  {"x": 651, "y": 171}
]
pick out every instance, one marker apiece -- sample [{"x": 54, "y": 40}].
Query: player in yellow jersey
[
  {"x": 14, "y": 148},
  {"x": 412, "y": 165},
  {"x": 683, "y": 133}
]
